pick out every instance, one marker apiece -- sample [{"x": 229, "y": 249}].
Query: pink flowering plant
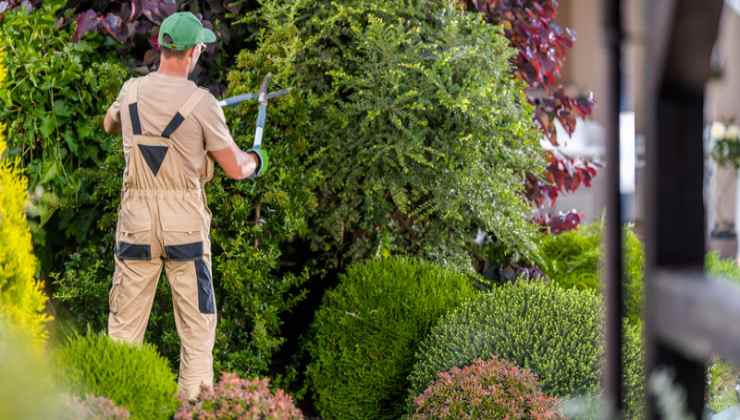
[
  {"x": 239, "y": 399},
  {"x": 490, "y": 389},
  {"x": 92, "y": 407}
]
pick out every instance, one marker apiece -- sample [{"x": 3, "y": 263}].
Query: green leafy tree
[
  {"x": 54, "y": 97},
  {"x": 410, "y": 112}
]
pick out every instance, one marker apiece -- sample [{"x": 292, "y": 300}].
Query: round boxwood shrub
[
  {"x": 133, "y": 376},
  {"x": 366, "y": 331},
  {"x": 492, "y": 389},
  {"x": 236, "y": 398},
  {"x": 555, "y": 332},
  {"x": 573, "y": 260}
]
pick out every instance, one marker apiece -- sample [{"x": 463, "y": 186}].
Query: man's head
[{"x": 182, "y": 38}]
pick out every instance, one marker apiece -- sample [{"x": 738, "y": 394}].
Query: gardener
[{"x": 172, "y": 131}]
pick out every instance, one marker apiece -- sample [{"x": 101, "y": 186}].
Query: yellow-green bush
[
  {"x": 22, "y": 300},
  {"x": 27, "y": 387}
]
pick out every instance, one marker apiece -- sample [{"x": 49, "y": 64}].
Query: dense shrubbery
[
  {"x": 366, "y": 331},
  {"x": 573, "y": 260},
  {"x": 22, "y": 300},
  {"x": 55, "y": 95},
  {"x": 136, "y": 377},
  {"x": 387, "y": 145},
  {"x": 236, "y": 398},
  {"x": 554, "y": 332},
  {"x": 394, "y": 103},
  {"x": 405, "y": 134},
  {"x": 493, "y": 389}
]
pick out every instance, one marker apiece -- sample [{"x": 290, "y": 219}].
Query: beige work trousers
[{"x": 159, "y": 229}]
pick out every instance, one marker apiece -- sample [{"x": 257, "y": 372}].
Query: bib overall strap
[
  {"x": 132, "y": 97},
  {"x": 185, "y": 110}
]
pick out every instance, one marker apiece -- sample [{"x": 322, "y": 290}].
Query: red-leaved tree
[{"x": 543, "y": 45}]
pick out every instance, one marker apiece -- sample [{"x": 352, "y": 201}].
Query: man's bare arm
[
  {"x": 236, "y": 163},
  {"x": 110, "y": 125}
]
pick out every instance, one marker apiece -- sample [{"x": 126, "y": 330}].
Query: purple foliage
[
  {"x": 543, "y": 45},
  {"x": 134, "y": 25},
  {"x": 560, "y": 223},
  {"x": 6, "y": 5}
]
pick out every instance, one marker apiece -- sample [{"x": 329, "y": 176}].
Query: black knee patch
[
  {"x": 205, "y": 289},
  {"x": 185, "y": 252},
  {"x": 127, "y": 251}
]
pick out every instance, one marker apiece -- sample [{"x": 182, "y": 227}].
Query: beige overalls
[{"x": 164, "y": 222}]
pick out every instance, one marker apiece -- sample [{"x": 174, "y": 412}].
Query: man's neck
[{"x": 173, "y": 69}]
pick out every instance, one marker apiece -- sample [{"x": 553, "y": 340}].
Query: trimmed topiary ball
[
  {"x": 236, "y": 398},
  {"x": 366, "y": 331},
  {"x": 133, "y": 376},
  {"x": 555, "y": 332},
  {"x": 492, "y": 389}
]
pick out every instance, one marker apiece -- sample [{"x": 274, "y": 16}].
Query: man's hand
[{"x": 236, "y": 163}]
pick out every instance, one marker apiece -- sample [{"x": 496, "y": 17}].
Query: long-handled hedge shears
[{"x": 263, "y": 97}]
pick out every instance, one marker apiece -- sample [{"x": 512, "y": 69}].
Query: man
[{"x": 172, "y": 131}]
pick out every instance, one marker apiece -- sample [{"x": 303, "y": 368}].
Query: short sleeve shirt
[{"x": 160, "y": 96}]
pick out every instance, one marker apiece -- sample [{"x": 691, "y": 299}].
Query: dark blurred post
[
  {"x": 614, "y": 267},
  {"x": 679, "y": 45}
]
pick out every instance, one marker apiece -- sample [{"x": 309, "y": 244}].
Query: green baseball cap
[{"x": 185, "y": 31}]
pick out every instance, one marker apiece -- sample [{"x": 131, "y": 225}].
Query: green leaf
[
  {"x": 61, "y": 109},
  {"x": 48, "y": 124}
]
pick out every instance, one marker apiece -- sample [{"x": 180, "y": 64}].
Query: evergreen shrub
[
  {"x": 411, "y": 114},
  {"x": 27, "y": 387},
  {"x": 133, "y": 376},
  {"x": 554, "y": 332},
  {"x": 573, "y": 259},
  {"x": 366, "y": 331}
]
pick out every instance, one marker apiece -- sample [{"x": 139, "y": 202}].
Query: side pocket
[
  {"x": 133, "y": 236},
  {"x": 114, "y": 292},
  {"x": 205, "y": 288}
]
